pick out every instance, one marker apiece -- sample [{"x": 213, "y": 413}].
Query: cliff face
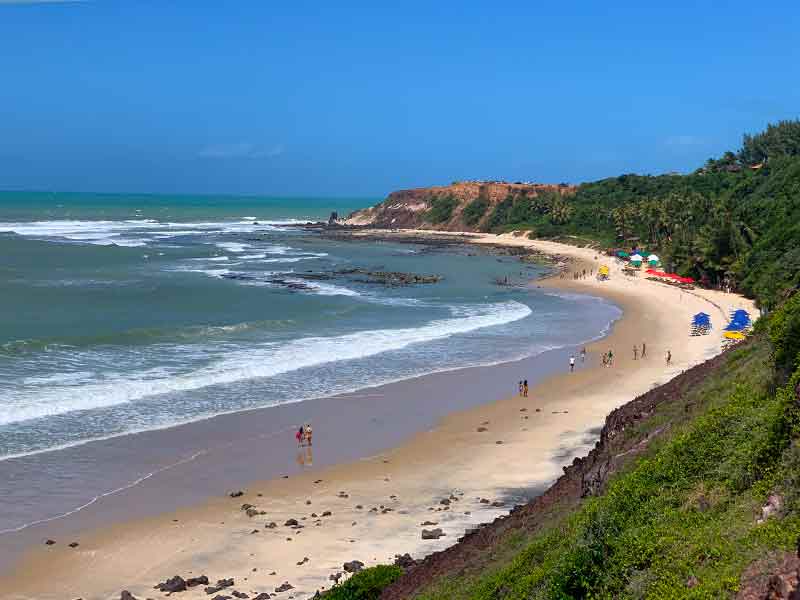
[{"x": 412, "y": 209}]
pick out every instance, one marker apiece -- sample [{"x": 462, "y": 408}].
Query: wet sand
[{"x": 452, "y": 461}]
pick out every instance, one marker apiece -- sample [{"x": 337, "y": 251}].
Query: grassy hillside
[{"x": 680, "y": 518}]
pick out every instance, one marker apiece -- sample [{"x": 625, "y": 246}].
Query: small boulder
[
  {"x": 284, "y": 587},
  {"x": 172, "y": 585},
  {"x": 291, "y": 523},
  {"x": 327, "y": 513},
  {"x": 126, "y": 595},
  {"x": 353, "y": 566},
  {"x": 73, "y": 544},
  {"x": 236, "y": 494},
  {"x": 193, "y": 581},
  {"x": 432, "y": 534}
]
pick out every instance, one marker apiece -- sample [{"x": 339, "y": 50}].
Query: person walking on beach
[
  {"x": 635, "y": 352},
  {"x": 571, "y": 363},
  {"x": 669, "y": 357},
  {"x": 521, "y": 389},
  {"x": 610, "y": 358},
  {"x": 644, "y": 349},
  {"x": 309, "y": 434},
  {"x": 525, "y": 389},
  {"x": 300, "y": 436},
  {"x": 605, "y": 359},
  {"x": 583, "y": 354}
]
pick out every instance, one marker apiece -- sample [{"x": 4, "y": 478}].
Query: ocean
[{"x": 131, "y": 313}]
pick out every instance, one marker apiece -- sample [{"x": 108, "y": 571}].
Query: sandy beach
[{"x": 473, "y": 466}]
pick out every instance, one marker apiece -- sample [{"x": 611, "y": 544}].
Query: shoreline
[{"x": 453, "y": 461}]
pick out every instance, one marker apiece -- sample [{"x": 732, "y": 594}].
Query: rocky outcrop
[{"x": 406, "y": 209}]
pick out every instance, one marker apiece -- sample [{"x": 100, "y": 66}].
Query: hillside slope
[{"x": 461, "y": 206}]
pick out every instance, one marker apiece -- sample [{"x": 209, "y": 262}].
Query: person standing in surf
[
  {"x": 525, "y": 389},
  {"x": 309, "y": 434},
  {"x": 571, "y": 363}
]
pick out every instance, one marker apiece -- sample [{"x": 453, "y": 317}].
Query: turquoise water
[{"x": 129, "y": 313}]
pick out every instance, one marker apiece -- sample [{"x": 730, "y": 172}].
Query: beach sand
[{"x": 378, "y": 504}]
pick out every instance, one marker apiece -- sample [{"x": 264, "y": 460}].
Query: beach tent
[
  {"x": 653, "y": 260},
  {"x": 701, "y": 324},
  {"x": 602, "y": 272}
]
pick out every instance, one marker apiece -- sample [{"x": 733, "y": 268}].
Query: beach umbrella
[
  {"x": 653, "y": 260},
  {"x": 734, "y": 335},
  {"x": 637, "y": 257}
]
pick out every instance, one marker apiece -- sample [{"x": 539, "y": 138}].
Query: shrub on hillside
[
  {"x": 366, "y": 585},
  {"x": 474, "y": 211},
  {"x": 441, "y": 209}
]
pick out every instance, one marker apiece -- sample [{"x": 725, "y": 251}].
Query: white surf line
[{"x": 138, "y": 481}]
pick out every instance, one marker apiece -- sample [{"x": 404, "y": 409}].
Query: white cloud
[{"x": 240, "y": 150}]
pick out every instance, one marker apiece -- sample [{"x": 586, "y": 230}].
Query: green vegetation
[
  {"x": 680, "y": 520},
  {"x": 542, "y": 213},
  {"x": 441, "y": 209},
  {"x": 474, "y": 211},
  {"x": 735, "y": 222},
  {"x": 366, "y": 585}
]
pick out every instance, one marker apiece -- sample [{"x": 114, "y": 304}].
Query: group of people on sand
[
  {"x": 523, "y": 388},
  {"x": 304, "y": 435},
  {"x": 576, "y": 275}
]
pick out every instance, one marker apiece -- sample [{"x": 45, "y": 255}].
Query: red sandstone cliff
[{"x": 408, "y": 208}]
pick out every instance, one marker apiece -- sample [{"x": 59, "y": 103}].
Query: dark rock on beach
[
  {"x": 284, "y": 587},
  {"x": 353, "y": 566},
  {"x": 174, "y": 584},
  {"x": 432, "y": 534},
  {"x": 193, "y": 581},
  {"x": 126, "y": 595}
]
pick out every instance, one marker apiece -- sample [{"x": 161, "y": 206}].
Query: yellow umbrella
[{"x": 734, "y": 335}]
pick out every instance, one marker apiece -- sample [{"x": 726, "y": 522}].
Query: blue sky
[{"x": 346, "y": 98}]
